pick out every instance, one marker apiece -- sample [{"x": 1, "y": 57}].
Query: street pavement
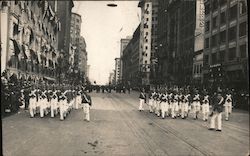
[{"x": 118, "y": 128}]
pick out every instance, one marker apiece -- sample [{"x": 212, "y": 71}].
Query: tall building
[
  {"x": 82, "y": 61},
  {"x": 75, "y": 31},
  {"x": 64, "y": 9},
  {"x": 111, "y": 77},
  {"x": 226, "y": 46},
  {"x": 178, "y": 32},
  {"x": 29, "y": 48},
  {"x": 148, "y": 37},
  {"x": 130, "y": 59},
  {"x": 117, "y": 70},
  {"x": 123, "y": 43}
]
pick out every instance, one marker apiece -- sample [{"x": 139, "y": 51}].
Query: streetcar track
[
  {"x": 173, "y": 132},
  {"x": 235, "y": 138},
  {"x": 133, "y": 130}
]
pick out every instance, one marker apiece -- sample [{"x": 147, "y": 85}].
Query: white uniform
[
  {"x": 151, "y": 102},
  {"x": 164, "y": 105},
  {"x": 43, "y": 104},
  {"x": 228, "y": 105},
  {"x": 32, "y": 105},
  {"x": 86, "y": 107},
  {"x": 141, "y": 101},
  {"x": 205, "y": 107},
  {"x": 78, "y": 100},
  {"x": 63, "y": 103},
  {"x": 196, "y": 105},
  {"x": 175, "y": 107},
  {"x": 184, "y": 106}
]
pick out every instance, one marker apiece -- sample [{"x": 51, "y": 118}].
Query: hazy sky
[{"x": 103, "y": 27}]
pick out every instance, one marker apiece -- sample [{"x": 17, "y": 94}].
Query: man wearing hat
[
  {"x": 205, "y": 105},
  {"x": 228, "y": 104},
  {"x": 217, "y": 111},
  {"x": 196, "y": 104},
  {"x": 142, "y": 99},
  {"x": 86, "y": 100},
  {"x": 32, "y": 106}
]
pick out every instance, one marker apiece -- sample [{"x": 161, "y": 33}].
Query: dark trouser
[{"x": 26, "y": 103}]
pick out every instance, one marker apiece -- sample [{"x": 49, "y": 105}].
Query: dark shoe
[
  {"x": 211, "y": 129},
  {"x": 219, "y": 130}
]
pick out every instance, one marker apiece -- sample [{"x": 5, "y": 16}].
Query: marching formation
[
  {"x": 53, "y": 101},
  {"x": 183, "y": 102}
]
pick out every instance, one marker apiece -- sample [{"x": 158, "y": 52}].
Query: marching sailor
[
  {"x": 164, "y": 105},
  {"x": 32, "y": 105},
  {"x": 205, "y": 106},
  {"x": 43, "y": 104},
  {"x": 151, "y": 100},
  {"x": 185, "y": 104},
  {"x": 174, "y": 105},
  {"x": 217, "y": 111},
  {"x": 54, "y": 101},
  {"x": 142, "y": 99},
  {"x": 86, "y": 100},
  {"x": 63, "y": 103},
  {"x": 228, "y": 104},
  {"x": 196, "y": 104}
]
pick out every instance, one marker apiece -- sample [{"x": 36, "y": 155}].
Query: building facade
[
  {"x": 130, "y": 59},
  {"x": 82, "y": 62},
  {"x": 123, "y": 43},
  {"x": 29, "y": 32},
  {"x": 177, "y": 36},
  {"x": 117, "y": 70},
  {"x": 226, "y": 43},
  {"x": 148, "y": 37}
]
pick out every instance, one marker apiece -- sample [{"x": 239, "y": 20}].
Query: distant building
[
  {"x": 111, "y": 78},
  {"x": 123, "y": 43},
  {"x": 117, "y": 70},
  {"x": 148, "y": 37},
  {"x": 130, "y": 59},
  {"x": 226, "y": 43}
]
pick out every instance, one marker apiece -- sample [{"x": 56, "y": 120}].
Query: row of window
[
  {"x": 197, "y": 69},
  {"x": 221, "y": 55},
  {"x": 232, "y": 10},
  {"x": 220, "y": 38}
]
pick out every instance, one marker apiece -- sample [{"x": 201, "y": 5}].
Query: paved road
[{"x": 118, "y": 128}]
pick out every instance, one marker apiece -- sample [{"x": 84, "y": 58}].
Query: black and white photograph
[{"x": 124, "y": 78}]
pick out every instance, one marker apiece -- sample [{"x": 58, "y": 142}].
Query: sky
[{"x": 103, "y": 27}]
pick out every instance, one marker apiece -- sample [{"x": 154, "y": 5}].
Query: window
[
  {"x": 222, "y": 56},
  {"x": 223, "y": 18},
  {"x": 214, "y": 58},
  {"x": 231, "y": 53},
  {"x": 243, "y": 51},
  {"x": 146, "y": 47},
  {"x": 147, "y": 5},
  {"x": 207, "y": 8},
  {"x": 146, "y": 62},
  {"x": 206, "y": 59},
  {"x": 223, "y": 36},
  {"x": 233, "y": 12},
  {"x": 243, "y": 6},
  {"x": 207, "y": 43},
  {"x": 146, "y": 19},
  {"x": 232, "y": 33},
  {"x": 146, "y": 40},
  {"x": 146, "y": 33},
  {"x": 215, "y": 22},
  {"x": 214, "y": 40},
  {"x": 242, "y": 29},
  {"x": 207, "y": 26}
]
